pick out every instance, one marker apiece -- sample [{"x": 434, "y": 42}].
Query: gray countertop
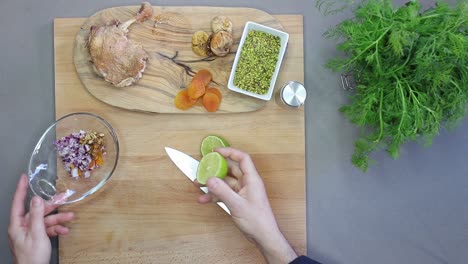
[{"x": 410, "y": 210}]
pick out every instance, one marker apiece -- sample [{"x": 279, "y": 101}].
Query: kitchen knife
[{"x": 189, "y": 166}]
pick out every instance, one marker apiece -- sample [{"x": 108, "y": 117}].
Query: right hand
[{"x": 244, "y": 194}]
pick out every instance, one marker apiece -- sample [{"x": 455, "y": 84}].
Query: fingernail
[{"x": 36, "y": 201}]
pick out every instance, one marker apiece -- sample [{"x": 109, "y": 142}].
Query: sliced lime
[
  {"x": 211, "y": 142},
  {"x": 211, "y": 165}
]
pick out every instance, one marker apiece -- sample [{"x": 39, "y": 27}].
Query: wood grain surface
[
  {"x": 167, "y": 39},
  {"x": 147, "y": 212}
]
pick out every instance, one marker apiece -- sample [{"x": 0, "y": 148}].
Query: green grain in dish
[{"x": 257, "y": 62}]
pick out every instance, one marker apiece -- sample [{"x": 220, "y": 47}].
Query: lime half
[
  {"x": 209, "y": 143},
  {"x": 211, "y": 165}
]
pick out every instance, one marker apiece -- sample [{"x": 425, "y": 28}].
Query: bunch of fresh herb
[{"x": 411, "y": 71}]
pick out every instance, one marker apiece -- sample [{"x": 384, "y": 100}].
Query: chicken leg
[{"x": 115, "y": 57}]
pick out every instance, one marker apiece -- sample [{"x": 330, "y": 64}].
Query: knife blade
[{"x": 189, "y": 166}]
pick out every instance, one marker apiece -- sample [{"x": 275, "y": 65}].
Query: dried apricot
[
  {"x": 183, "y": 100},
  {"x": 99, "y": 161},
  {"x": 196, "y": 89},
  {"x": 211, "y": 102},
  {"x": 203, "y": 75},
  {"x": 215, "y": 91}
]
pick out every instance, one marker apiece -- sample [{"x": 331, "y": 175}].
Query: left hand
[{"x": 29, "y": 233}]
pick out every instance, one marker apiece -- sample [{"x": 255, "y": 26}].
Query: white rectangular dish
[{"x": 284, "y": 37}]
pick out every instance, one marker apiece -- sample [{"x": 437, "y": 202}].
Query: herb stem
[
  {"x": 380, "y": 116},
  {"x": 417, "y": 101},
  {"x": 368, "y": 47},
  {"x": 429, "y": 16},
  {"x": 406, "y": 61},
  {"x": 403, "y": 102}
]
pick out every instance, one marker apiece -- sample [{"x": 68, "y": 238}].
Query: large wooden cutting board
[
  {"x": 147, "y": 212},
  {"x": 167, "y": 39}
]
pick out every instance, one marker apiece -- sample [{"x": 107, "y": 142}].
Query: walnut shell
[
  {"x": 221, "y": 43},
  {"x": 220, "y": 23},
  {"x": 200, "y": 43}
]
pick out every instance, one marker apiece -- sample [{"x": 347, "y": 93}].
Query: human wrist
[
  {"x": 276, "y": 249},
  {"x": 27, "y": 260}
]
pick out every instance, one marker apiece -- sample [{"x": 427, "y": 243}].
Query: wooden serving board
[
  {"x": 167, "y": 39},
  {"x": 147, "y": 212}
]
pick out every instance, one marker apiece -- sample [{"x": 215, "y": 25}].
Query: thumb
[
  {"x": 221, "y": 190},
  {"x": 36, "y": 217}
]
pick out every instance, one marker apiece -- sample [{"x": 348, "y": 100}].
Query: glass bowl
[{"x": 47, "y": 175}]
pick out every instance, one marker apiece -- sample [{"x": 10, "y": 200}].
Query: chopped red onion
[{"x": 76, "y": 156}]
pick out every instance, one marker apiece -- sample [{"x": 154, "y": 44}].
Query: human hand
[
  {"x": 29, "y": 233},
  {"x": 244, "y": 194}
]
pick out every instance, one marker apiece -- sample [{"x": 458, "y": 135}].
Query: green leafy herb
[{"x": 411, "y": 71}]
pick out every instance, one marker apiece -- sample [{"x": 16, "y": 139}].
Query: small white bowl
[{"x": 284, "y": 42}]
